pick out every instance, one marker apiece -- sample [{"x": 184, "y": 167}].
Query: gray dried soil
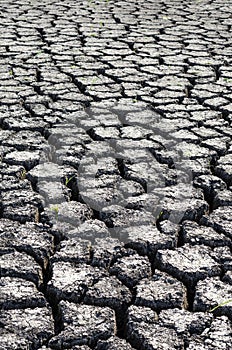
[{"x": 115, "y": 175}]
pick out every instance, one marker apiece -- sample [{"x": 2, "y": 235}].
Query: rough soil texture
[{"x": 115, "y": 174}]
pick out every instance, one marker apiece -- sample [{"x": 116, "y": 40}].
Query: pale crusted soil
[{"x": 115, "y": 174}]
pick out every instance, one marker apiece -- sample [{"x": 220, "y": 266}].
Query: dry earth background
[{"x": 116, "y": 175}]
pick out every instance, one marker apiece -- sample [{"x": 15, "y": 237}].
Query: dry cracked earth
[{"x": 116, "y": 174}]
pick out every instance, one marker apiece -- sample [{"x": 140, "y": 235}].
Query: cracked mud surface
[{"x": 115, "y": 175}]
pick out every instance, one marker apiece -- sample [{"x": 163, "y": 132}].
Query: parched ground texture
[{"x": 115, "y": 174}]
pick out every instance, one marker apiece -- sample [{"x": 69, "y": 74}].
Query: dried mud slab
[
  {"x": 107, "y": 250},
  {"x": 109, "y": 291},
  {"x": 27, "y": 140},
  {"x": 53, "y": 192},
  {"x": 83, "y": 324},
  {"x": 116, "y": 216},
  {"x": 217, "y": 336},
  {"x": 24, "y": 122},
  {"x": 220, "y": 220},
  {"x": 195, "y": 234},
  {"x": 33, "y": 239},
  {"x": 147, "y": 239},
  {"x": 70, "y": 281},
  {"x": 19, "y": 293},
  {"x": 115, "y": 175},
  {"x": 161, "y": 291},
  {"x": 224, "y": 169},
  {"x": 28, "y": 159},
  {"x": 212, "y": 292},
  {"x": 11, "y": 183},
  {"x": 113, "y": 343},
  {"x": 223, "y": 198},
  {"x": 73, "y": 250},
  {"x": 131, "y": 269},
  {"x": 34, "y": 325},
  {"x": 81, "y": 347},
  {"x": 186, "y": 324},
  {"x": 11, "y": 341},
  {"x": 143, "y": 331},
  {"x": 89, "y": 230},
  {"x": 188, "y": 263},
  {"x": 51, "y": 173},
  {"x": 211, "y": 185},
  {"x": 21, "y": 205},
  {"x": 72, "y": 213},
  {"x": 15, "y": 264}
]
